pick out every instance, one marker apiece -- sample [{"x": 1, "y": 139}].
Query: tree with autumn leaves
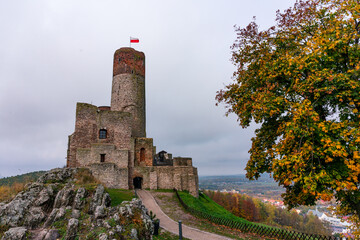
[
  {"x": 300, "y": 81},
  {"x": 253, "y": 209}
]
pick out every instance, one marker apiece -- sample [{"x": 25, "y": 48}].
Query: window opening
[
  {"x": 142, "y": 154},
  {"x": 102, "y": 157},
  {"x": 102, "y": 133}
]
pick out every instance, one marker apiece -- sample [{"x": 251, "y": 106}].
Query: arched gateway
[{"x": 137, "y": 181}]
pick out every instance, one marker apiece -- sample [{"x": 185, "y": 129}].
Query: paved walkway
[{"x": 172, "y": 226}]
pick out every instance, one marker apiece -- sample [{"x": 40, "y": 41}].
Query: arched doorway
[{"x": 137, "y": 181}]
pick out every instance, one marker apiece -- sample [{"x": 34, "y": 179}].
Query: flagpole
[{"x": 130, "y": 41}]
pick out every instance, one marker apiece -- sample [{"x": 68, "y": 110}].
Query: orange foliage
[
  {"x": 9, "y": 192},
  {"x": 300, "y": 82}
]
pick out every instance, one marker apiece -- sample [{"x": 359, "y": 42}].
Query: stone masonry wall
[
  {"x": 128, "y": 95},
  {"x": 110, "y": 175},
  {"x": 128, "y": 60},
  {"x": 87, "y": 156},
  {"x": 89, "y": 121},
  {"x": 147, "y": 145},
  {"x": 168, "y": 177},
  {"x": 128, "y": 87},
  {"x": 182, "y": 161}
]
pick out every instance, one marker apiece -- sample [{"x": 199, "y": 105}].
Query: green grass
[
  {"x": 165, "y": 235},
  {"x": 61, "y": 224},
  {"x": 207, "y": 205},
  {"x": 3, "y": 229},
  {"x": 163, "y": 190},
  {"x": 172, "y": 207},
  {"x": 119, "y": 195}
]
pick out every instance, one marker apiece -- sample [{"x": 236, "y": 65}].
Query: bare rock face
[
  {"x": 75, "y": 213},
  {"x": 57, "y": 201},
  {"x": 18, "y": 233},
  {"x": 57, "y": 175},
  {"x": 13, "y": 213},
  {"x": 100, "y": 212},
  {"x": 51, "y": 234},
  {"x": 45, "y": 234},
  {"x": 134, "y": 234},
  {"x": 34, "y": 217},
  {"x": 79, "y": 198},
  {"x": 45, "y": 196},
  {"x": 106, "y": 201},
  {"x": 72, "y": 228},
  {"x": 103, "y": 236},
  {"x": 97, "y": 199},
  {"x": 65, "y": 197}
]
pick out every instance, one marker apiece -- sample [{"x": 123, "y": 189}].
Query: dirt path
[{"x": 172, "y": 226}]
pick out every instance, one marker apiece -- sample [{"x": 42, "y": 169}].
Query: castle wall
[
  {"x": 182, "y": 161},
  {"x": 87, "y": 156},
  {"x": 110, "y": 175},
  {"x": 89, "y": 120},
  {"x": 169, "y": 177},
  {"x": 144, "y": 154}
]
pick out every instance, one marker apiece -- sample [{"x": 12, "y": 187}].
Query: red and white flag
[{"x": 134, "y": 40}]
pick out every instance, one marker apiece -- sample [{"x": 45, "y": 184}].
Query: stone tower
[{"x": 128, "y": 87}]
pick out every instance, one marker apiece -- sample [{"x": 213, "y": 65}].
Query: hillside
[
  {"x": 254, "y": 210},
  {"x": 70, "y": 204},
  {"x": 23, "y": 178},
  {"x": 171, "y": 206},
  {"x": 263, "y": 187}
]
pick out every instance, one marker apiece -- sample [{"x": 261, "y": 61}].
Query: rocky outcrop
[
  {"x": 57, "y": 206},
  {"x": 45, "y": 234},
  {"x": 72, "y": 228},
  {"x": 79, "y": 198},
  {"x": 18, "y": 233}
]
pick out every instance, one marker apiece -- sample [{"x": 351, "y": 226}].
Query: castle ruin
[{"x": 112, "y": 142}]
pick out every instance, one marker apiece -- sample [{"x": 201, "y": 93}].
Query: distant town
[{"x": 268, "y": 191}]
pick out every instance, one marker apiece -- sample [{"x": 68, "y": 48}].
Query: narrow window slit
[{"x": 102, "y": 157}]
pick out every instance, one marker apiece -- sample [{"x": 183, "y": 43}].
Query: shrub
[
  {"x": 9, "y": 192},
  {"x": 84, "y": 176}
]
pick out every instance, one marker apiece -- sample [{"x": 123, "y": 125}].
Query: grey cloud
[{"x": 56, "y": 53}]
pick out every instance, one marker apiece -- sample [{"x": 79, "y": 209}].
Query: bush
[
  {"x": 9, "y": 192},
  {"x": 84, "y": 176}
]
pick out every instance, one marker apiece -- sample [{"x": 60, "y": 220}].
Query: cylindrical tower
[{"x": 128, "y": 87}]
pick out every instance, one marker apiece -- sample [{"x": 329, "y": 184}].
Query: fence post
[{"x": 180, "y": 230}]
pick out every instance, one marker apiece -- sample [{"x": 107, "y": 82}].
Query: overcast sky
[{"x": 59, "y": 52}]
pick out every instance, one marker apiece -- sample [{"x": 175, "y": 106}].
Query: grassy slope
[
  {"x": 172, "y": 207},
  {"x": 207, "y": 205},
  {"x": 119, "y": 195}
]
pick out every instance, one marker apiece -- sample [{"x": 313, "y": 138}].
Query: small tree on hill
[{"x": 300, "y": 80}]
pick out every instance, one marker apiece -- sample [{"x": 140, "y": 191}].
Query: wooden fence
[{"x": 271, "y": 232}]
